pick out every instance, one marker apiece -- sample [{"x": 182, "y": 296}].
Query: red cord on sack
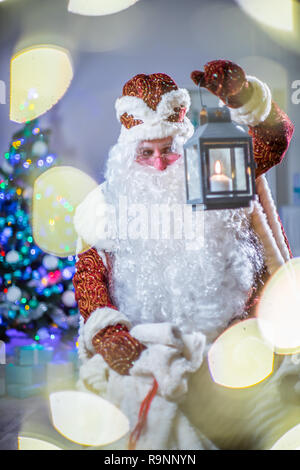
[{"x": 144, "y": 409}]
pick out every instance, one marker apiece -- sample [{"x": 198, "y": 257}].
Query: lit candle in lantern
[{"x": 219, "y": 181}]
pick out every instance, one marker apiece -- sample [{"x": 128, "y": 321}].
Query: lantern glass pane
[
  {"x": 239, "y": 171},
  {"x": 193, "y": 172},
  {"x": 228, "y": 170},
  {"x": 220, "y": 170}
]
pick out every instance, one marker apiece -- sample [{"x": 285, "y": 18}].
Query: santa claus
[{"x": 150, "y": 305}]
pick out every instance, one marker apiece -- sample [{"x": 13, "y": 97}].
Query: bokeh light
[
  {"x": 39, "y": 76},
  {"x": 274, "y": 13},
  {"x": 31, "y": 443},
  {"x": 289, "y": 441},
  {"x": 278, "y": 19},
  {"x": 87, "y": 419},
  {"x": 99, "y": 8},
  {"x": 240, "y": 357},
  {"x": 271, "y": 72},
  {"x": 278, "y": 312},
  {"x": 57, "y": 192}
]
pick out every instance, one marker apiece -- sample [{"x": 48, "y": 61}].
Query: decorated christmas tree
[{"x": 36, "y": 287}]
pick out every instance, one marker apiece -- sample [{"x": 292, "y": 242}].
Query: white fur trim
[
  {"x": 91, "y": 219},
  {"x": 169, "y": 357},
  {"x": 79, "y": 246},
  {"x": 140, "y": 110},
  {"x": 164, "y": 333},
  {"x": 267, "y": 202},
  {"x": 167, "y": 427},
  {"x": 171, "y": 100},
  {"x": 155, "y": 124},
  {"x": 136, "y": 107},
  {"x": 257, "y": 109},
  {"x": 101, "y": 318},
  {"x": 260, "y": 225},
  {"x": 82, "y": 351},
  {"x": 157, "y": 130},
  {"x": 103, "y": 257},
  {"x": 94, "y": 373}
]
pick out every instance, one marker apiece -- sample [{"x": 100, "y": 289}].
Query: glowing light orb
[
  {"x": 56, "y": 194},
  {"x": 240, "y": 357},
  {"x": 99, "y": 8},
  {"x": 273, "y": 13},
  {"x": 39, "y": 77},
  {"x": 87, "y": 419},
  {"x": 31, "y": 443},
  {"x": 289, "y": 441},
  {"x": 278, "y": 312}
]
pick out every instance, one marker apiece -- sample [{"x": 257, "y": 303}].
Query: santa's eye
[
  {"x": 147, "y": 153},
  {"x": 167, "y": 149},
  {"x": 179, "y": 108}
]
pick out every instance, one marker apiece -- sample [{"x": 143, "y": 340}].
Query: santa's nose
[{"x": 160, "y": 163}]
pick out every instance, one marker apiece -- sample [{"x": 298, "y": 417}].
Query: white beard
[{"x": 162, "y": 281}]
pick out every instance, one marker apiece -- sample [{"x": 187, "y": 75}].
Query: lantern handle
[
  {"x": 201, "y": 100},
  {"x": 203, "y": 113}
]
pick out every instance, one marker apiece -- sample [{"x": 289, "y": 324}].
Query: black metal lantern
[{"x": 219, "y": 163}]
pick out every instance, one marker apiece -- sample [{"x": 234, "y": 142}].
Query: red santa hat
[{"x": 153, "y": 107}]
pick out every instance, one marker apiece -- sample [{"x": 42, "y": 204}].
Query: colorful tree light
[{"x": 31, "y": 281}]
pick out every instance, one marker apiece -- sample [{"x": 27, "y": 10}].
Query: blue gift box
[
  {"x": 25, "y": 375},
  {"x": 34, "y": 354},
  {"x": 23, "y": 391}
]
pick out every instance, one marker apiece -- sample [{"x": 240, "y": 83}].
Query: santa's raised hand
[
  {"x": 251, "y": 104},
  {"x": 226, "y": 80}
]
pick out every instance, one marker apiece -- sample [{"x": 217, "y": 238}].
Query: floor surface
[{"x": 14, "y": 413}]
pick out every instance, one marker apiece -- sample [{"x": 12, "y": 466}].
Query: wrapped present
[
  {"x": 23, "y": 391},
  {"x": 60, "y": 374},
  {"x": 2, "y": 380},
  {"x": 34, "y": 354},
  {"x": 25, "y": 375}
]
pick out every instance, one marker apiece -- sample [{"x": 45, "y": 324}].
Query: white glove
[{"x": 169, "y": 357}]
